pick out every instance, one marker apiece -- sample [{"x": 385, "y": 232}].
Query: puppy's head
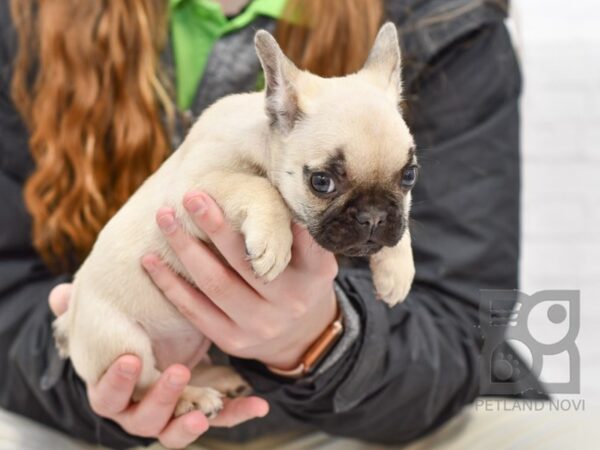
[{"x": 342, "y": 156}]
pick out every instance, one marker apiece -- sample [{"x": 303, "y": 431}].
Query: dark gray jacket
[{"x": 412, "y": 367}]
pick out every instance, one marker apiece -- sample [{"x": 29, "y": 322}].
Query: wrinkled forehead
[
  {"x": 369, "y": 144},
  {"x": 379, "y": 149}
]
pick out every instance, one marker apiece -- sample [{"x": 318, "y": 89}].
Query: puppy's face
[
  {"x": 343, "y": 157},
  {"x": 347, "y": 168}
]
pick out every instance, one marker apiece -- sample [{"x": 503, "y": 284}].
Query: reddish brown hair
[
  {"x": 88, "y": 83},
  {"x": 336, "y": 38}
]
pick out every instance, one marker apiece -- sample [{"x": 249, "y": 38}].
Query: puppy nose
[{"x": 372, "y": 217}]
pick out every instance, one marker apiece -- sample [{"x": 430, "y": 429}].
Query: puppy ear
[
  {"x": 384, "y": 61},
  {"x": 280, "y": 79}
]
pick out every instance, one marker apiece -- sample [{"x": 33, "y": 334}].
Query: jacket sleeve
[
  {"x": 416, "y": 365},
  {"x": 34, "y": 381}
]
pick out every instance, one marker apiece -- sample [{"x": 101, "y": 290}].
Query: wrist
[{"x": 308, "y": 356}]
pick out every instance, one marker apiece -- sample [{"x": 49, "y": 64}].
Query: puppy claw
[
  {"x": 269, "y": 255},
  {"x": 243, "y": 390},
  {"x": 207, "y": 400}
]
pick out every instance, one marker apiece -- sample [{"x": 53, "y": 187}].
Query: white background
[{"x": 559, "y": 46}]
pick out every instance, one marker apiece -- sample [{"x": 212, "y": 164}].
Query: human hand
[
  {"x": 274, "y": 322},
  {"x": 153, "y": 415}
]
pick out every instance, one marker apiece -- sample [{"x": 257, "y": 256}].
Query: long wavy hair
[{"x": 88, "y": 82}]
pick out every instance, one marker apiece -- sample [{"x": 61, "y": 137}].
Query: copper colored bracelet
[{"x": 317, "y": 351}]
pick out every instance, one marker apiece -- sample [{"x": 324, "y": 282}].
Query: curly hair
[{"x": 88, "y": 82}]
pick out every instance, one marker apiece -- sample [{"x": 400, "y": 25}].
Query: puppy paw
[
  {"x": 393, "y": 280},
  {"x": 207, "y": 400},
  {"x": 269, "y": 251}
]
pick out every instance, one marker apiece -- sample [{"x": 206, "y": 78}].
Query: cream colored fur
[{"x": 234, "y": 154}]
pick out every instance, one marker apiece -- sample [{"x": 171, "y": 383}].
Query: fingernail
[
  {"x": 177, "y": 379},
  {"x": 196, "y": 205},
  {"x": 128, "y": 369},
  {"x": 167, "y": 223}
]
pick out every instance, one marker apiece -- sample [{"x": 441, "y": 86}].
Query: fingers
[
  {"x": 217, "y": 281},
  {"x": 303, "y": 246},
  {"x": 183, "y": 430},
  {"x": 191, "y": 303},
  {"x": 240, "y": 410},
  {"x": 309, "y": 256},
  {"x": 153, "y": 412},
  {"x": 112, "y": 394},
  {"x": 59, "y": 298},
  {"x": 208, "y": 216}
]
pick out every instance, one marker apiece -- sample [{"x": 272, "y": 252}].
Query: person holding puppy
[{"x": 86, "y": 115}]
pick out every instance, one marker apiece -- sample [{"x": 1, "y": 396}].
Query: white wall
[{"x": 559, "y": 44}]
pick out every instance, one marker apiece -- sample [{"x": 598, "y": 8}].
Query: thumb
[
  {"x": 59, "y": 298},
  {"x": 240, "y": 410},
  {"x": 307, "y": 254}
]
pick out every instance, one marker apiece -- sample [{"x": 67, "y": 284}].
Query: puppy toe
[
  {"x": 207, "y": 400},
  {"x": 392, "y": 289},
  {"x": 269, "y": 255}
]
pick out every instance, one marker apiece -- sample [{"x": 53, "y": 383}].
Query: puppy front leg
[
  {"x": 255, "y": 207},
  {"x": 393, "y": 271}
]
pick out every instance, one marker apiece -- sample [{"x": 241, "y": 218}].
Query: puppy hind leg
[
  {"x": 101, "y": 333},
  {"x": 94, "y": 345},
  {"x": 205, "y": 399}
]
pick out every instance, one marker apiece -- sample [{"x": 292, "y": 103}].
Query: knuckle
[
  {"x": 269, "y": 332},
  {"x": 217, "y": 285},
  {"x": 167, "y": 395},
  {"x": 298, "y": 309},
  {"x": 212, "y": 288},
  {"x": 235, "y": 344},
  {"x": 103, "y": 406}
]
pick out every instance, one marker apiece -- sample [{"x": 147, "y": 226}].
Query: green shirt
[{"x": 195, "y": 26}]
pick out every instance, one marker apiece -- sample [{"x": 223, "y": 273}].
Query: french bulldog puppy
[{"x": 332, "y": 154}]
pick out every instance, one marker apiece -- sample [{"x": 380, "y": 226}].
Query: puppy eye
[
  {"x": 409, "y": 177},
  {"x": 322, "y": 183}
]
